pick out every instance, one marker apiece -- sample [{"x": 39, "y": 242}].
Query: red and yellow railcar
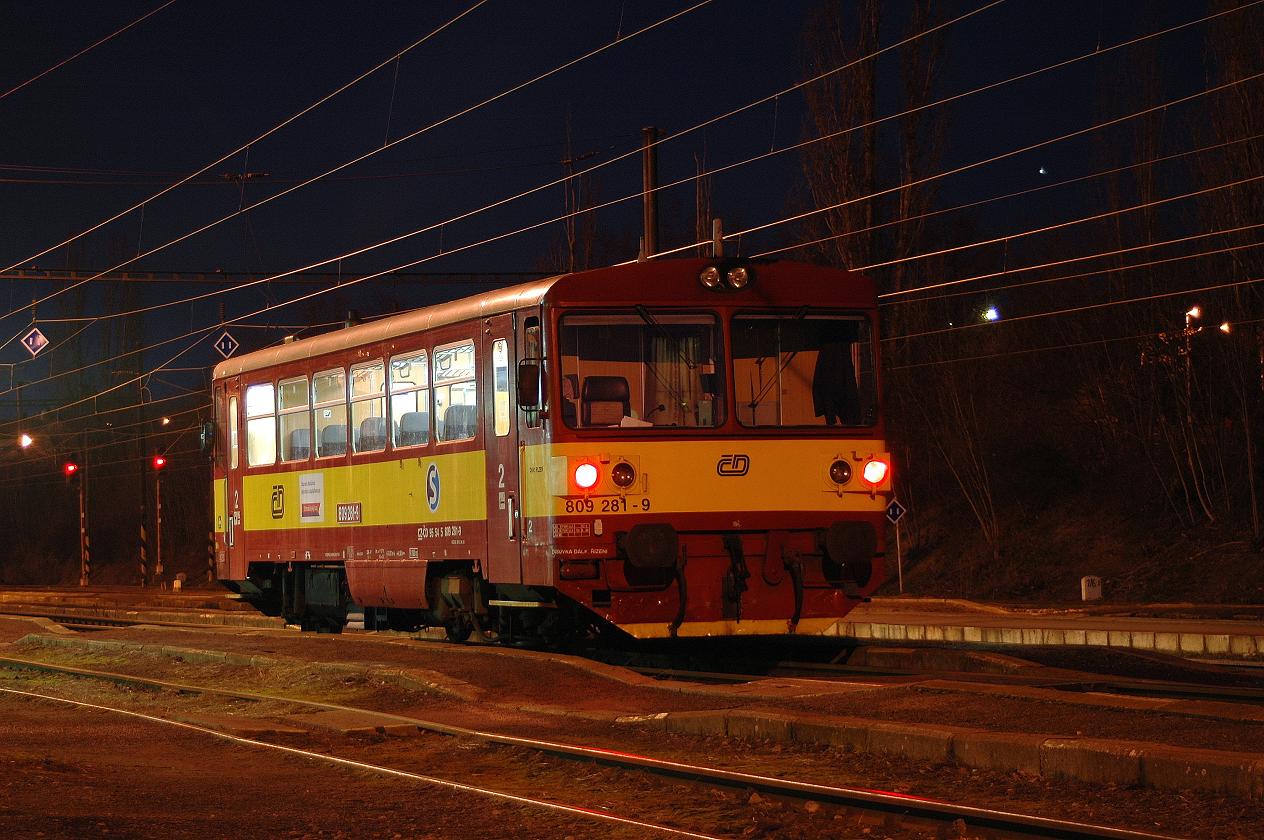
[{"x": 676, "y": 447}]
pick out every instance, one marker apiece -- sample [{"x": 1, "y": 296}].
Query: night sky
[{"x": 198, "y": 79}]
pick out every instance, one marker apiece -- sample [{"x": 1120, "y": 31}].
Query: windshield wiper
[{"x": 756, "y": 399}]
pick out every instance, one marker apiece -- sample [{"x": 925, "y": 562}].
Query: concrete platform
[{"x": 937, "y": 620}]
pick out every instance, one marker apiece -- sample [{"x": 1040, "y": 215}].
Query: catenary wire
[
  {"x": 1100, "y": 255},
  {"x": 523, "y": 229},
  {"x": 363, "y": 157},
  {"x": 1057, "y": 65},
  {"x": 1005, "y": 197},
  {"x": 85, "y": 50},
  {"x": 1145, "y": 205},
  {"x": 609, "y": 203},
  {"x": 468, "y": 214},
  {"x": 1076, "y": 309},
  {"x": 269, "y": 132},
  {"x": 1073, "y": 345}
]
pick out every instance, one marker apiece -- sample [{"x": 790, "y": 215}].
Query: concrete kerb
[
  {"x": 1246, "y": 646},
  {"x": 45, "y": 625}
]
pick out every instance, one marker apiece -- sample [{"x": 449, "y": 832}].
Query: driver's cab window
[{"x": 639, "y": 369}]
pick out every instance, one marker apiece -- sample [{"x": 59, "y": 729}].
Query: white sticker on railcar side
[{"x": 311, "y": 497}]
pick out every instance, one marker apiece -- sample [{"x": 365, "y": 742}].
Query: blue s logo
[{"x": 432, "y": 487}]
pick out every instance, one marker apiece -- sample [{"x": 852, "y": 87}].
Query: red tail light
[
  {"x": 876, "y": 472},
  {"x": 585, "y": 476}
]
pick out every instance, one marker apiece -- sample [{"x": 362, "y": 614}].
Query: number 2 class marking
[{"x": 501, "y": 468}]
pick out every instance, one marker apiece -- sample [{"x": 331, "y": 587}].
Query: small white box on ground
[{"x": 1090, "y": 588}]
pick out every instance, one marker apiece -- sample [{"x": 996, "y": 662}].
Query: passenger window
[
  {"x": 295, "y": 419},
  {"x": 368, "y": 407},
  {"x": 261, "y": 426},
  {"x": 233, "y": 458},
  {"x": 500, "y": 370},
  {"x": 455, "y": 392},
  {"x": 410, "y": 399},
  {"x": 329, "y": 406}
]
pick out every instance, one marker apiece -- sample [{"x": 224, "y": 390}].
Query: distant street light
[
  {"x": 25, "y": 441},
  {"x": 991, "y": 314},
  {"x": 1226, "y": 328}
]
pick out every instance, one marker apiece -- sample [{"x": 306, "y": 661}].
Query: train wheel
[{"x": 458, "y": 628}]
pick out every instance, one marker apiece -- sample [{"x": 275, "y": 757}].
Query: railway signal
[
  {"x": 73, "y": 473},
  {"x": 158, "y": 462}
]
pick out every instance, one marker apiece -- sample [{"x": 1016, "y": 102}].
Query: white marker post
[{"x": 895, "y": 512}]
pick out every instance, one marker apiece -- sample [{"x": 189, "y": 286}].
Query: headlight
[
  {"x": 585, "y": 476},
  {"x": 623, "y": 474},
  {"x": 709, "y": 277},
  {"x": 737, "y": 277},
  {"x": 875, "y": 472},
  {"x": 840, "y": 472}
]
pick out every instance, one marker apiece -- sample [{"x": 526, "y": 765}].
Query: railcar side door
[
  {"x": 500, "y": 436},
  {"x": 232, "y": 565}
]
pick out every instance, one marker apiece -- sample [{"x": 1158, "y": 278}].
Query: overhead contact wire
[
  {"x": 352, "y": 162},
  {"x": 85, "y": 50},
  {"x": 252, "y": 142}
]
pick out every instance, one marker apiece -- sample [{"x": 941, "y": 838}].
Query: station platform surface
[{"x": 1191, "y": 630}]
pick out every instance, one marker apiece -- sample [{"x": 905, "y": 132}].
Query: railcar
[{"x": 670, "y": 448}]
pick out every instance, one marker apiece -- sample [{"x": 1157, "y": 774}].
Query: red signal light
[
  {"x": 876, "y": 472},
  {"x": 585, "y": 476},
  {"x": 69, "y": 468},
  {"x": 159, "y": 462}
]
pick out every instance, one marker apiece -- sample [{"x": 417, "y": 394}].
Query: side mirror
[
  {"x": 529, "y": 384},
  {"x": 206, "y": 437}
]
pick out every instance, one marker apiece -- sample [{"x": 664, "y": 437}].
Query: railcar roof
[
  {"x": 797, "y": 284},
  {"x": 451, "y": 312}
]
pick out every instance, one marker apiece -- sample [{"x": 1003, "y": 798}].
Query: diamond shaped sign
[
  {"x": 226, "y": 345},
  {"x": 34, "y": 341},
  {"x": 895, "y": 511}
]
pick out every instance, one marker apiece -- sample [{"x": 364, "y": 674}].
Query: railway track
[
  {"x": 893, "y": 808},
  {"x": 88, "y": 618}
]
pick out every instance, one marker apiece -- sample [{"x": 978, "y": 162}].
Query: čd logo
[{"x": 735, "y": 464}]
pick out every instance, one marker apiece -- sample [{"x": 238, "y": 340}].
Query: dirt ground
[
  {"x": 536, "y": 679},
  {"x": 138, "y": 782}
]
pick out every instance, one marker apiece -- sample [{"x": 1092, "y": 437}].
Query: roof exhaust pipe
[{"x": 649, "y": 191}]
